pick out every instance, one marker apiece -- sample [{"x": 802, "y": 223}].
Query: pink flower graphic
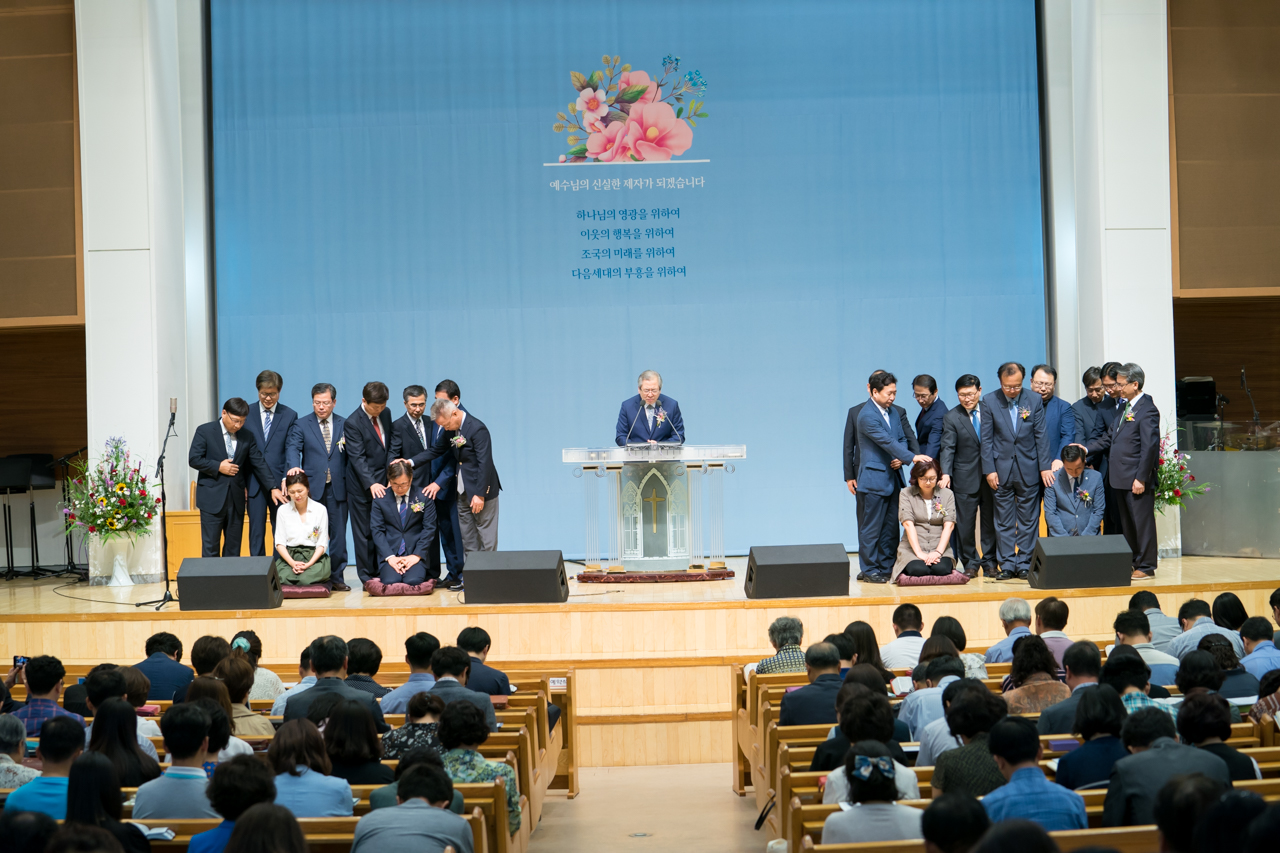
[
  {"x": 609, "y": 144},
  {"x": 655, "y": 134},
  {"x": 636, "y": 78},
  {"x": 591, "y": 103}
]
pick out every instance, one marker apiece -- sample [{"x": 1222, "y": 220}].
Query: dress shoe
[
  {"x": 1007, "y": 576},
  {"x": 454, "y": 584},
  {"x": 862, "y": 576},
  {"x": 339, "y": 586},
  {"x": 876, "y": 578},
  {"x": 1142, "y": 576}
]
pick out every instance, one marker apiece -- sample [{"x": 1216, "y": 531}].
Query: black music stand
[
  {"x": 15, "y": 479},
  {"x": 79, "y": 569}
]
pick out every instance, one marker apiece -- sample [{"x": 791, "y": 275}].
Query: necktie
[
  {"x": 973, "y": 416},
  {"x": 231, "y": 445},
  {"x": 422, "y": 436},
  {"x": 266, "y": 427},
  {"x": 377, "y": 430},
  {"x": 1073, "y": 485},
  {"x": 649, "y": 414},
  {"x": 1013, "y": 414},
  {"x": 328, "y": 447},
  {"x": 404, "y": 514}
]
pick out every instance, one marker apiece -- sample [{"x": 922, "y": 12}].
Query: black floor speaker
[
  {"x": 228, "y": 583},
  {"x": 797, "y": 571},
  {"x": 1080, "y": 562},
  {"x": 515, "y": 577}
]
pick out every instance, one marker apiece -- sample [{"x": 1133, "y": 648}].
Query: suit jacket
[
  {"x": 877, "y": 447},
  {"x": 1108, "y": 410},
  {"x": 633, "y": 426},
  {"x": 1134, "y": 445},
  {"x": 451, "y": 691},
  {"x": 272, "y": 446},
  {"x": 1066, "y": 514},
  {"x": 487, "y": 680},
  {"x": 418, "y": 531},
  {"x": 1061, "y": 718},
  {"x": 367, "y": 457},
  {"x": 299, "y": 704},
  {"x": 1087, "y": 418},
  {"x": 813, "y": 704},
  {"x": 1136, "y": 780},
  {"x": 1059, "y": 426},
  {"x": 475, "y": 457},
  {"x": 444, "y": 469},
  {"x": 929, "y": 428},
  {"x": 851, "y": 438},
  {"x": 304, "y": 448},
  {"x": 208, "y": 450},
  {"x": 1003, "y": 450},
  {"x": 405, "y": 444},
  {"x": 961, "y": 452}
]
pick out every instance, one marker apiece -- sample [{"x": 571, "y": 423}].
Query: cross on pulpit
[{"x": 653, "y": 500}]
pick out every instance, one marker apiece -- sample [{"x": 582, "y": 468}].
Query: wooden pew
[{"x": 1126, "y": 839}]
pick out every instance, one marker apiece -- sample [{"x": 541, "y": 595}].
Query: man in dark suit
[
  {"x": 882, "y": 451},
  {"x": 649, "y": 417},
  {"x": 269, "y": 421},
  {"x": 1082, "y": 663},
  {"x": 478, "y": 483},
  {"x": 1059, "y": 417},
  {"x": 851, "y": 440},
  {"x": 225, "y": 456},
  {"x": 815, "y": 703},
  {"x": 1134, "y": 445},
  {"x": 961, "y": 462},
  {"x": 1016, "y": 463},
  {"x": 932, "y": 411},
  {"x": 451, "y": 666},
  {"x": 329, "y": 662},
  {"x": 1108, "y": 410},
  {"x": 1086, "y": 411},
  {"x": 367, "y": 433},
  {"x": 1074, "y": 504},
  {"x": 403, "y": 522},
  {"x": 475, "y": 641},
  {"x": 410, "y": 434},
  {"x": 443, "y": 489},
  {"x": 315, "y": 447}
]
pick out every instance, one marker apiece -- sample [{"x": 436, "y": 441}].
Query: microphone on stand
[
  {"x": 627, "y": 440},
  {"x": 173, "y": 410}
]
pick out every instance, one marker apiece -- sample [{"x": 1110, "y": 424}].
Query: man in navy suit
[
  {"x": 475, "y": 641},
  {"x": 650, "y": 417},
  {"x": 1087, "y": 415},
  {"x": 403, "y": 523},
  {"x": 961, "y": 464},
  {"x": 1134, "y": 445},
  {"x": 882, "y": 451},
  {"x": 315, "y": 447},
  {"x": 851, "y": 441},
  {"x": 1108, "y": 410},
  {"x": 1074, "y": 504},
  {"x": 269, "y": 421},
  {"x": 410, "y": 435},
  {"x": 444, "y": 490},
  {"x": 932, "y": 411},
  {"x": 225, "y": 456},
  {"x": 1016, "y": 462},
  {"x": 367, "y": 433},
  {"x": 1059, "y": 417}
]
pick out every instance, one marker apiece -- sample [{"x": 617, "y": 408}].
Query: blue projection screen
[{"x": 841, "y": 186}]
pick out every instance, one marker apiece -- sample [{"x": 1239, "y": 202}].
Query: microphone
[
  {"x": 173, "y": 411},
  {"x": 627, "y": 441},
  {"x": 1242, "y": 385}
]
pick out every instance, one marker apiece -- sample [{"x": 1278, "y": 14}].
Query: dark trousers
[
  {"x": 1138, "y": 520},
  {"x": 967, "y": 519},
  {"x": 417, "y": 574},
  {"x": 449, "y": 536},
  {"x": 1017, "y": 523},
  {"x": 259, "y": 506},
  {"x": 877, "y": 533},
  {"x": 227, "y": 524},
  {"x": 337, "y": 533},
  {"x": 360, "y": 506},
  {"x": 918, "y": 569},
  {"x": 1111, "y": 525}
]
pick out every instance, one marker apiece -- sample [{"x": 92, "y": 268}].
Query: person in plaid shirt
[
  {"x": 43, "y": 676},
  {"x": 785, "y": 635},
  {"x": 1128, "y": 673}
]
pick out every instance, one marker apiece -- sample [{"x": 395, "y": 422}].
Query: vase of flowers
[
  {"x": 112, "y": 505},
  {"x": 1175, "y": 484}
]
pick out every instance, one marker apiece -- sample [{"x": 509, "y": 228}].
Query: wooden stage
[{"x": 651, "y": 662}]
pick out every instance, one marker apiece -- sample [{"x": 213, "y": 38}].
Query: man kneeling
[{"x": 403, "y": 526}]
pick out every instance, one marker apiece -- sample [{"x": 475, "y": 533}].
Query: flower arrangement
[
  {"x": 110, "y": 498},
  {"x": 417, "y": 507},
  {"x": 458, "y": 441},
  {"x": 1084, "y": 496},
  {"x": 1175, "y": 484},
  {"x": 624, "y": 116},
  {"x": 938, "y": 509},
  {"x": 1024, "y": 412},
  {"x": 660, "y": 416},
  {"x": 315, "y": 533}
]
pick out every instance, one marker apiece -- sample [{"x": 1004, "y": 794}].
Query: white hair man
[
  {"x": 1015, "y": 617},
  {"x": 650, "y": 417}
]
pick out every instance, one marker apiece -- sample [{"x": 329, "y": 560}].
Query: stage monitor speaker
[
  {"x": 1080, "y": 562},
  {"x": 515, "y": 577},
  {"x": 797, "y": 571},
  {"x": 228, "y": 583}
]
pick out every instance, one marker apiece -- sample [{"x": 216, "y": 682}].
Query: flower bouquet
[
  {"x": 110, "y": 498},
  {"x": 1175, "y": 484}
]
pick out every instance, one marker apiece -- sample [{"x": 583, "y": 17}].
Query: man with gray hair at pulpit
[{"x": 650, "y": 417}]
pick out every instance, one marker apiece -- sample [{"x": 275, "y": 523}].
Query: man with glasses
[
  {"x": 1134, "y": 445},
  {"x": 1059, "y": 419},
  {"x": 269, "y": 421},
  {"x": 961, "y": 462},
  {"x": 1107, "y": 409},
  {"x": 932, "y": 410}
]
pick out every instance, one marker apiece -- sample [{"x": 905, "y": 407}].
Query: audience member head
[
  {"x": 1031, "y": 657},
  {"x": 1051, "y": 615},
  {"x": 1143, "y": 728},
  {"x": 1263, "y": 832},
  {"x": 248, "y": 642},
  {"x": 1255, "y": 630},
  {"x": 13, "y": 738},
  {"x": 918, "y": 678},
  {"x": 1274, "y": 601},
  {"x": 319, "y": 710},
  {"x": 26, "y": 832},
  {"x": 304, "y": 664},
  {"x": 44, "y": 675},
  {"x": 1016, "y": 836},
  {"x": 822, "y": 659},
  {"x": 209, "y": 687},
  {"x": 115, "y": 735},
  {"x": 866, "y": 647},
  {"x": 418, "y": 650},
  {"x": 267, "y": 828},
  {"x": 79, "y": 838},
  {"x": 1099, "y": 712},
  {"x": 907, "y": 617},
  {"x": 424, "y": 707},
  {"x": 785, "y": 631},
  {"x": 1015, "y": 744},
  {"x": 104, "y": 684},
  {"x": 61, "y": 740},
  {"x": 1015, "y": 612},
  {"x": 1204, "y": 718},
  {"x": 1179, "y": 805},
  {"x": 1144, "y": 600},
  {"x": 329, "y": 656},
  {"x": 297, "y": 744},
  {"x": 1270, "y": 683},
  {"x": 363, "y": 657},
  {"x": 418, "y": 755},
  {"x": 955, "y": 688},
  {"x": 844, "y": 645},
  {"x": 425, "y": 782},
  {"x": 351, "y": 735},
  {"x": 946, "y": 666},
  {"x": 950, "y": 627},
  {"x": 1199, "y": 670},
  {"x": 866, "y": 675},
  {"x": 938, "y": 646},
  {"x": 1224, "y": 654},
  {"x": 451, "y": 662},
  {"x": 953, "y": 823},
  {"x": 237, "y": 673},
  {"x": 186, "y": 732},
  {"x": 1229, "y": 612},
  {"x": 972, "y": 713},
  {"x": 1225, "y": 824},
  {"x": 869, "y": 768},
  {"x": 462, "y": 726},
  {"x": 1082, "y": 662},
  {"x": 137, "y": 684},
  {"x": 166, "y": 644},
  {"x": 207, "y": 652},
  {"x": 475, "y": 641},
  {"x": 93, "y": 791},
  {"x": 219, "y": 722},
  {"x": 1192, "y": 610},
  {"x": 239, "y": 784},
  {"x": 1132, "y": 627},
  {"x": 866, "y": 715},
  {"x": 1125, "y": 671}
]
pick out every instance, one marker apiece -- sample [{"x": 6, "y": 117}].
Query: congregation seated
[
  {"x": 950, "y": 627},
  {"x": 785, "y": 634},
  {"x": 61, "y": 743},
  {"x": 1200, "y": 673},
  {"x": 1100, "y": 714},
  {"x": 206, "y": 653},
  {"x": 1204, "y": 721},
  {"x": 1239, "y": 820},
  {"x": 868, "y": 676},
  {"x": 26, "y": 832},
  {"x": 1130, "y": 676},
  {"x": 75, "y": 696},
  {"x": 844, "y": 645},
  {"x": 1237, "y": 682},
  {"x": 93, "y": 799},
  {"x": 1027, "y": 794},
  {"x": 1133, "y": 628},
  {"x": 1051, "y": 621},
  {"x": 79, "y": 838},
  {"x": 422, "y": 720},
  {"x": 329, "y": 661},
  {"x": 1268, "y": 704},
  {"x": 1082, "y": 664},
  {"x": 163, "y": 667},
  {"x": 418, "y": 650},
  {"x": 364, "y": 659},
  {"x": 1015, "y": 618},
  {"x": 1163, "y": 627},
  {"x": 13, "y": 749},
  {"x": 463, "y": 729},
  {"x": 306, "y": 678},
  {"x": 866, "y": 649},
  {"x": 44, "y": 678},
  {"x": 385, "y": 797},
  {"x": 814, "y": 703},
  {"x": 865, "y": 716},
  {"x": 137, "y": 688},
  {"x": 1229, "y": 612},
  {"x": 869, "y": 772},
  {"x": 1196, "y": 619},
  {"x": 115, "y": 735},
  {"x": 266, "y": 684},
  {"x": 236, "y": 673},
  {"x": 181, "y": 791},
  {"x": 953, "y": 823},
  {"x": 937, "y": 737},
  {"x": 267, "y": 828},
  {"x": 903, "y": 652},
  {"x": 304, "y": 782},
  {"x": 213, "y": 696},
  {"x": 482, "y": 678},
  {"x": 237, "y": 785},
  {"x": 1033, "y": 676},
  {"x": 922, "y": 707},
  {"x": 421, "y": 820},
  {"x": 1180, "y": 805},
  {"x": 1016, "y": 836},
  {"x": 351, "y": 740},
  {"x": 970, "y": 768},
  {"x": 452, "y": 667},
  {"x": 1261, "y": 655}
]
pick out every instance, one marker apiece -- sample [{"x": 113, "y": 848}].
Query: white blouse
[{"x": 309, "y": 529}]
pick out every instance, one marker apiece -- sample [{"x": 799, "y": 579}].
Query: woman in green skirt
[{"x": 301, "y": 532}]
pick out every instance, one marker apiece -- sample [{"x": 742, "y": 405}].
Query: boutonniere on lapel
[
  {"x": 938, "y": 509},
  {"x": 315, "y": 532},
  {"x": 416, "y": 507},
  {"x": 661, "y": 416},
  {"x": 458, "y": 441},
  {"x": 342, "y": 444},
  {"x": 1128, "y": 416},
  {"x": 1084, "y": 496},
  {"x": 1023, "y": 413}
]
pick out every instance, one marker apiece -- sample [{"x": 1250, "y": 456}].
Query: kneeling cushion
[
  {"x": 318, "y": 590},
  {"x": 377, "y": 587},
  {"x": 956, "y": 577}
]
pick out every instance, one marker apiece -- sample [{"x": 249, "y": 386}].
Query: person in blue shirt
[
  {"x": 307, "y": 680},
  {"x": 1015, "y": 616},
  {"x": 163, "y": 668},
  {"x": 1028, "y": 795},
  {"x": 302, "y": 767},
  {"x": 236, "y": 785},
  {"x": 922, "y": 707},
  {"x": 1261, "y": 655},
  {"x": 61, "y": 742},
  {"x": 418, "y": 650},
  {"x": 1196, "y": 619}
]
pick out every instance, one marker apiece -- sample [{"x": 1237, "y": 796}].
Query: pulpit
[{"x": 655, "y": 517}]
